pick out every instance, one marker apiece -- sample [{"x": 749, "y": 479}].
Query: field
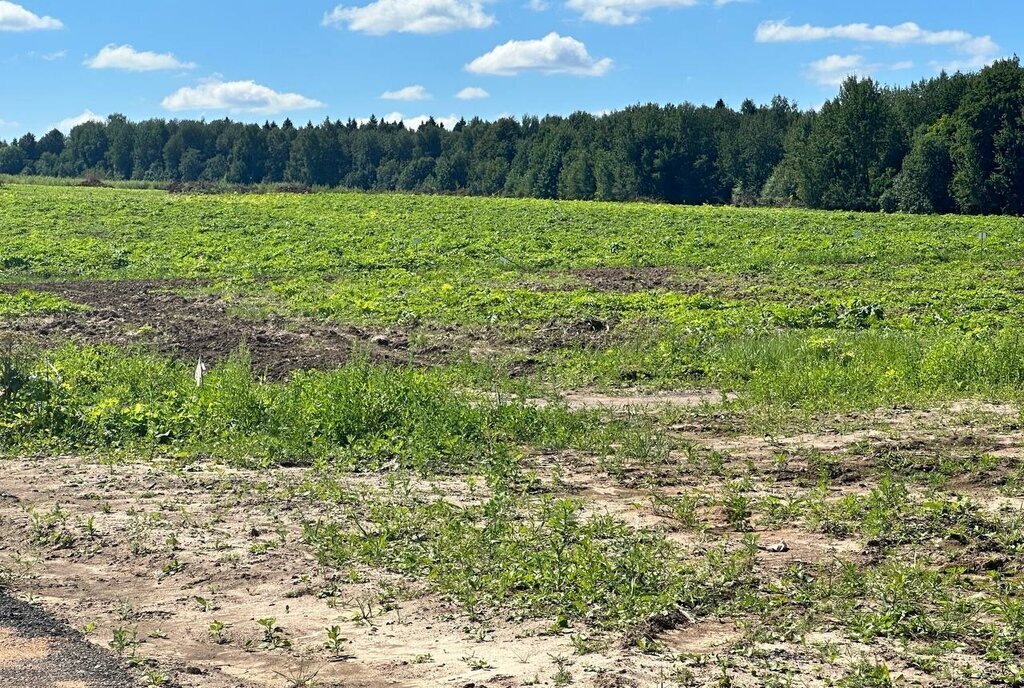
[{"x": 382, "y": 440}]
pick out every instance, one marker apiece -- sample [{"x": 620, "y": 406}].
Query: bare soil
[
  {"x": 156, "y": 314},
  {"x": 179, "y": 318},
  {"x": 630, "y": 280},
  {"x": 238, "y": 557}
]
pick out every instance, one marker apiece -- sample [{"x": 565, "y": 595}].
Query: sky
[{"x": 66, "y": 61}]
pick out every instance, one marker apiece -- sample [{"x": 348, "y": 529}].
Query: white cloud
[
  {"x": 977, "y": 51},
  {"x": 128, "y": 58},
  {"x": 49, "y": 57},
  {"x": 552, "y": 54},
  {"x": 537, "y": 5},
  {"x": 16, "y": 18},
  {"x": 834, "y": 69},
  {"x": 408, "y": 93},
  {"x": 236, "y": 96},
  {"x": 411, "y": 16},
  {"x": 723, "y": 3},
  {"x": 909, "y": 32},
  {"x": 70, "y": 123},
  {"x": 620, "y": 12},
  {"x": 7, "y": 124},
  {"x": 472, "y": 93}
]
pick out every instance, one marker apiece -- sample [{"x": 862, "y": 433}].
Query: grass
[
  {"x": 360, "y": 416},
  {"x": 26, "y": 302},
  {"x": 796, "y": 309},
  {"x": 535, "y": 557}
]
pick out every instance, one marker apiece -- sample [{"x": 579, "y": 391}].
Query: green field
[
  {"x": 899, "y": 306},
  {"x": 709, "y": 446}
]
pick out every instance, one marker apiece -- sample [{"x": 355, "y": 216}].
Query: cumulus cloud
[
  {"x": 834, "y": 69},
  {"x": 411, "y": 16},
  {"x": 472, "y": 93},
  {"x": 236, "y": 96},
  {"x": 975, "y": 54},
  {"x": 70, "y": 123},
  {"x": 975, "y": 51},
  {"x": 408, "y": 93},
  {"x": 552, "y": 54},
  {"x": 621, "y": 12},
  {"x": 16, "y": 18},
  {"x": 128, "y": 58}
]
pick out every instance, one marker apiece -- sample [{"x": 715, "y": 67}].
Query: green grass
[
  {"x": 26, "y": 302},
  {"x": 534, "y": 558},
  {"x": 358, "y": 416},
  {"x": 795, "y": 308}
]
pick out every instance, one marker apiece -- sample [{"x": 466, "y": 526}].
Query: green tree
[
  {"x": 12, "y": 160},
  {"x": 853, "y": 151},
  {"x": 923, "y": 186}
]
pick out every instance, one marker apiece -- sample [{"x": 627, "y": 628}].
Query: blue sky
[{"x": 63, "y": 60}]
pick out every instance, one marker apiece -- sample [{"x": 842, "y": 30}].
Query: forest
[{"x": 949, "y": 144}]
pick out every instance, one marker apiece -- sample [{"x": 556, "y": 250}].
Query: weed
[
  {"x": 156, "y": 678},
  {"x": 335, "y": 640},
  {"x": 51, "y": 529},
  {"x": 273, "y": 635},
  {"x": 302, "y": 676},
  {"x": 217, "y": 632},
  {"x": 124, "y": 641},
  {"x": 866, "y": 674}
]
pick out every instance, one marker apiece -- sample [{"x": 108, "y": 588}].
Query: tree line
[{"x": 953, "y": 143}]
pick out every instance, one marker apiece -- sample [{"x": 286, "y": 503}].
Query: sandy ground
[
  {"x": 166, "y": 553},
  {"x": 186, "y": 560}
]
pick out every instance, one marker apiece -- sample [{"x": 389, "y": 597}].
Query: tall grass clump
[{"x": 361, "y": 415}]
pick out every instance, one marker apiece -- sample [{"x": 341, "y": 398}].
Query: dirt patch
[
  {"x": 155, "y": 314},
  {"x": 37, "y": 650},
  {"x": 15, "y": 650},
  {"x": 701, "y": 638},
  {"x": 634, "y": 401},
  {"x": 94, "y": 183}
]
